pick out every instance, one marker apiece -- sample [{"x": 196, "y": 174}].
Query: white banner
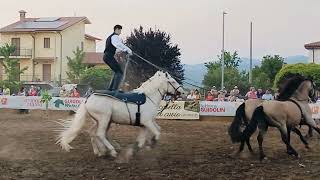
[
  {"x": 175, "y": 110},
  {"x": 221, "y": 108},
  {"x": 34, "y": 102}
]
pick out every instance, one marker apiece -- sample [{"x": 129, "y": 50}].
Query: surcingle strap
[
  {"x": 138, "y": 117},
  {"x": 295, "y": 102}
]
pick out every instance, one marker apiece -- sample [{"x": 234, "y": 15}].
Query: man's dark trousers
[{"x": 118, "y": 73}]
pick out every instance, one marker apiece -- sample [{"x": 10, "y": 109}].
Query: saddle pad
[{"x": 130, "y": 97}]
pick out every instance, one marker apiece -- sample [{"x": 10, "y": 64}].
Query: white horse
[{"x": 104, "y": 110}]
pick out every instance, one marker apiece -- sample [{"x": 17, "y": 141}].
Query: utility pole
[
  {"x": 250, "y": 72},
  {"x": 222, "y": 51}
]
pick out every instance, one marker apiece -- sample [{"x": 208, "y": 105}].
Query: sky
[{"x": 279, "y": 26}]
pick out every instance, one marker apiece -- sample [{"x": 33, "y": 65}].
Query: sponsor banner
[
  {"x": 187, "y": 110},
  {"x": 218, "y": 108},
  {"x": 65, "y": 103}
]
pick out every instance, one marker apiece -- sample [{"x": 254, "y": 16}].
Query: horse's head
[
  {"x": 312, "y": 93},
  {"x": 169, "y": 84},
  {"x": 299, "y": 87}
]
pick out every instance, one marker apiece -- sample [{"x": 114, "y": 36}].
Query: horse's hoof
[
  {"x": 114, "y": 153},
  {"x": 263, "y": 158}
]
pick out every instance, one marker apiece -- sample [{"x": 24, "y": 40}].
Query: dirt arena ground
[{"x": 187, "y": 150}]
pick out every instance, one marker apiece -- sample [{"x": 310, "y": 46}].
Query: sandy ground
[{"x": 187, "y": 150}]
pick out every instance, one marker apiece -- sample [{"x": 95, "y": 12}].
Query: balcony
[{"x": 21, "y": 53}]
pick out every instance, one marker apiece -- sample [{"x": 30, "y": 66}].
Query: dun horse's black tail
[
  {"x": 258, "y": 115},
  {"x": 234, "y": 129}
]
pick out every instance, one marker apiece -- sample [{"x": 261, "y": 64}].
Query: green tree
[
  {"x": 260, "y": 79},
  {"x": 230, "y": 61},
  {"x": 271, "y": 65},
  {"x": 232, "y": 75},
  {"x": 76, "y": 67},
  {"x": 155, "y": 46},
  {"x": 263, "y": 76},
  {"x": 11, "y": 66},
  {"x": 96, "y": 77}
]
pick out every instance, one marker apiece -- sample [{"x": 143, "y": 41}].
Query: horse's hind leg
[
  {"x": 98, "y": 148},
  {"x": 101, "y": 133},
  {"x": 304, "y": 141},
  {"x": 249, "y": 145},
  {"x": 263, "y": 127}
]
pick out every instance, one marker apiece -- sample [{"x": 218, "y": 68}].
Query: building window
[
  {"x": 82, "y": 46},
  {"x": 46, "y": 42}
]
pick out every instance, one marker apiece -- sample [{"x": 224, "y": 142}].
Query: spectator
[
  {"x": 6, "y": 91},
  {"x": 276, "y": 94},
  {"x": 224, "y": 90},
  {"x": 235, "y": 91},
  {"x": 190, "y": 97},
  {"x": 196, "y": 95},
  {"x": 259, "y": 93},
  {"x": 1, "y": 92},
  {"x": 63, "y": 92},
  {"x": 232, "y": 97},
  {"x": 252, "y": 94},
  {"x": 22, "y": 92},
  {"x": 39, "y": 91},
  {"x": 221, "y": 96},
  {"x": 75, "y": 93},
  {"x": 267, "y": 95},
  {"x": 209, "y": 96},
  {"x": 33, "y": 91},
  {"x": 214, "y": 92}
]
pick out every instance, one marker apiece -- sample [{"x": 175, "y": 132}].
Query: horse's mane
[
  {"x": 145, "y": 86},
  {"x": 289, "y": 85}
]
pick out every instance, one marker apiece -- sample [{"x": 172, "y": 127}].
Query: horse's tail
[
  {"x": 71, "y": 128},
  {"x": 234, "y": 129},
  {"x": 258, "y": 115}
]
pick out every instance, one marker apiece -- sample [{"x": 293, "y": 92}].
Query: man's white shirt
[{"x": 117, "y": 42}]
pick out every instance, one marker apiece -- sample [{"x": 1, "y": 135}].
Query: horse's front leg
[
  {"x": 286, "y": 139},
  {"x": 302, "y": 138},
  {"x": 133, "y": 149}
]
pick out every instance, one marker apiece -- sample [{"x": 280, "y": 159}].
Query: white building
[{"x": 314, "y": 52}]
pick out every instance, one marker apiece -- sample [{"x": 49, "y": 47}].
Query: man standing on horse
[{"x": 114, "y": 43}]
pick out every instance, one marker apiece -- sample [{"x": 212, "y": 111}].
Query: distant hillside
[{"x": 194, "y": 73}]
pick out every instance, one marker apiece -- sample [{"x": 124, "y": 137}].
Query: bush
[
  {"x": 96, "y": 77},
  {"x": 310, "y": 70}
]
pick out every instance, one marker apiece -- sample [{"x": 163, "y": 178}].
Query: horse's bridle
[{"x": 311, "y": 94}]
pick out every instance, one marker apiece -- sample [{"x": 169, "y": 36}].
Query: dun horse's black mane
[{"x": 290, "y": 84}]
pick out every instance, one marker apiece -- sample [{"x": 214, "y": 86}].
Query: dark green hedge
[{"x": 310, "y": 70}]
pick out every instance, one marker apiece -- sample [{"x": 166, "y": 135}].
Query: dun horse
[{"x": 286, "y": 114}]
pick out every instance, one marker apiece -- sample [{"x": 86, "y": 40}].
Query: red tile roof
[
  {"x": 314, "y": 45},
  {"x": 87, "y": 36},
  {"x": 93, "y": 58},
  {"x": 69, "y": 22}
]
